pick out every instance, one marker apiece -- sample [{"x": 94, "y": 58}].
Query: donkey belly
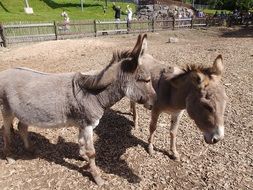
[
  {"x": 42, "y": 115},
  {"x": 40, "y": 111},
  {"x": 36, "y": 99}
]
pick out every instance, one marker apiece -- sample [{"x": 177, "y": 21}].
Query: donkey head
[
  {"x": 127, "y": 70},
  {"x": 207, "y": 100},
  {"x": 137, "y": 78}
]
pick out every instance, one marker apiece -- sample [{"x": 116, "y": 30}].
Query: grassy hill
[{"x": 48, "y": 10}]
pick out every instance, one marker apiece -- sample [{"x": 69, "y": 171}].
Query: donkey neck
[
  {"x": 110, "y": 95},
  {"x": 181, "y": 91}
]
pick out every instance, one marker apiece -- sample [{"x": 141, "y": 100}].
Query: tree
[
  {"x": 244, "y": 4},
  {"x": 228, "y": 4}
]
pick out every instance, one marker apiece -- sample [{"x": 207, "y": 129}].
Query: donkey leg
[
  {"x": 135, "y": 114},
  {"x": 7, "y": 129},
  {"x": 82, "y": 146},
  {"x": 173, "y": 134},
  {"x": 86, "y": 139},
  {"x": 23, "y": 132},
  {"x": 152, "y": 127}
]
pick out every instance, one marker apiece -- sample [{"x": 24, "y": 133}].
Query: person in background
[
  {"x": 117, "y": 14},
  {"x": 222, "y": 15},
  {"x": 216, "y": 14},
  {"x": 64, "y": 14},
  {"x": 104, "y": 9},
  {"x": 129, "y": 17}
]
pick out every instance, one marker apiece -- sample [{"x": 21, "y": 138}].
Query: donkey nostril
[{"x": 215, "y": 140}]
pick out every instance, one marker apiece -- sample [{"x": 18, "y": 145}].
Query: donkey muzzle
[
  {"x": 148, "y": 106},
  {"x": 151, "y": 101},
  {"x": 214, "y": 137},
  {"x": 212, "y": 140}
]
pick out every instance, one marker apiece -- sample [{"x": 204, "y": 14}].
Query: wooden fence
[
  {"x": 26, "y": 32},
  {"x": 2, "y": 36},
  {"x": 29, "y": 32}
]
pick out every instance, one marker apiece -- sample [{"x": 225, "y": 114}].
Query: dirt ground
[{"x": 121, "y": 150}]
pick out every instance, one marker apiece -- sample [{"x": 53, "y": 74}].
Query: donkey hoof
[
  {"x": 10, "y": 160},
  {"x": 99, "y": 181},
  {"x": 8, "y": 156},
  {"x": 12, "y": 130},
  {"x": 175, "y": 157},
  {"x": 150, "y": 149},
  {"x": 136, "y": 123},
  {"x": 136, "y": 127},
  {"x": 83, "y": 158}
]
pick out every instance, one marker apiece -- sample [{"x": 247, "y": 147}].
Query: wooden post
[
  {"x": 55, "y": 30},
  {"x": 173, "y": 23},
  {"x": 207, "y": 22},
  {"x": 82, "y": 5},
  {"x": 95, "y": 28},
  {"x": 191, "y": 22},
  {"x": 153, "y": 25},
  {"x": 2, "y": 35}
]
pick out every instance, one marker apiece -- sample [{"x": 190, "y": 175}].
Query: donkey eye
[
  {"x": 144, "y": 80},
  {"x": 147, "y": 81},
  {"x": 208, "y": 108}
]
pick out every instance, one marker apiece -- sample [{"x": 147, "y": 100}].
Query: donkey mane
[
  {"x": 197, "y": 68},
  {"x": 104, "y": 77},
  {"x": 119, "y": 55}
]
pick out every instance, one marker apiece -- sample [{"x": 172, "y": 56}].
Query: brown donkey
[
  {"x": 73, "y": 99},
  {"x": 194, "y": 88}
]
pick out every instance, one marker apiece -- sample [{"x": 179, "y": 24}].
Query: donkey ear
[
  {"x": 218, "y": 66},
  {"x": 137, "y": 52},
  {"x": 144, "y": 45},
  {"x": 140, "y": 46}
]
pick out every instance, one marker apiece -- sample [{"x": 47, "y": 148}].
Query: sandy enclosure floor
[{"x": 121, "y": 150}]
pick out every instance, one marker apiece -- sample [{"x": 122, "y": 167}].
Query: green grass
[
  {"x": 212, "y": 11},
  {"x": 49, "y": 10}
]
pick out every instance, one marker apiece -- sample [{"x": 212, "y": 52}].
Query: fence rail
[
  {"x": 27, "y": 32},
  {"x": 28, "y": 25}
]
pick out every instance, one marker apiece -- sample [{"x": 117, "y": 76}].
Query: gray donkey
[
  {"x": 194, "y": 88},
  {"x": 73, "y": 99}
]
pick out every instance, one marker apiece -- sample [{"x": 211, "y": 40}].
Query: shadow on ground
[
  {"x": 239, "y": 32},
  {"x": 114, "y": 138}
]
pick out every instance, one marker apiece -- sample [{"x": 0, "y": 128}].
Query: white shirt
[{"x": 129, "y": 14}]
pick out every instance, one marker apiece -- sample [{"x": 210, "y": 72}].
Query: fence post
[
  {"x": 55, "y": 30},
  {"x": 229, "y": 21},
  {"x": 173, "y": 23},
  {"x": 191, "y": 22},
  {"x": 153, "y": 25},
  {"x": 95, "y": 28},
  {"x": 207, "y": 21},
  {"x": 2, "y": 35}
]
